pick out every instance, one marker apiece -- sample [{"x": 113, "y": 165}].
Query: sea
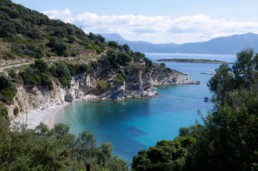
[{"x": 137, "y": 124}]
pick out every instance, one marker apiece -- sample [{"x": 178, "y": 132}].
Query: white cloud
[
  {"x": 157, "y": 29},
  {"x": 65, "y": 15}
]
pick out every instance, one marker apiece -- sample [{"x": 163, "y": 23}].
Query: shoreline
[
  {"x": 32, "y": 118},
  {"x": 35, "y": 116}
]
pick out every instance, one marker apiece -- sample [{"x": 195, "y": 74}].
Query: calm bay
[{"x": 136, "y": 124}]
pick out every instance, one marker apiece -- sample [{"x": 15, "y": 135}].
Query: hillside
[
  {"x": 44, "y": 63},
  {"x": 27, "y": 34},
  {"x": 58, "y": 62},
  {"x": 220, "y": 45}
]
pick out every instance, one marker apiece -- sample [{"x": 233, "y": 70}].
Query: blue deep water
[{"x": 136, "y": 124}]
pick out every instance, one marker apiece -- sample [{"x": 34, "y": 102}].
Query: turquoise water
[{"x": 137, "y": 124}]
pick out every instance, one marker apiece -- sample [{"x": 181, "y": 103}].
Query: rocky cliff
[
  {"x": 102, "y": 82},
  {"x": 120, "y": 73}
]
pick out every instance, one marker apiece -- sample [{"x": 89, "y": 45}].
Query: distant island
[{"x": 192, "y": 60}]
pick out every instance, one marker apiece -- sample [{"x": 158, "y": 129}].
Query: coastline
[{"x": 35, "y": 116}]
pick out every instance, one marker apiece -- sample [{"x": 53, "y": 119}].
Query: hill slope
[
  {"x": 83, "y": 64},
  {"x": 220, "y": 45},
  {"x": 26, "y": 34}
]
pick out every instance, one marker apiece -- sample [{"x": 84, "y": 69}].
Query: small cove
[{"x": 137, "y": 124}]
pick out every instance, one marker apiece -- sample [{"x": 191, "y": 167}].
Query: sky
[{"x": 156, "y": 21}]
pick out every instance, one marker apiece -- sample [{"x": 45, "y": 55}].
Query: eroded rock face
[{"x": 138, "y": 83}]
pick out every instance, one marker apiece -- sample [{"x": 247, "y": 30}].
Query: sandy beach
[
  {"x": 34, "y": 117},
  {"x": 47, "y": 116}
]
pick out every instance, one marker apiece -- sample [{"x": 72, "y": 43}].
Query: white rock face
[{"x": 137, "y": 84}]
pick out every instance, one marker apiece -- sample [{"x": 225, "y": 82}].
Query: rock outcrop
[{"x": 138, "y": 83}]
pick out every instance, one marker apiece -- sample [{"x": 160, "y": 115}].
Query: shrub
[
  {"x": 126, "y": 48},
  {"x": 148, "y": 62},
  {"x": 38, "y": 53},
  {"x": 52, "y": 42},
  {"x": 34, "y": 33},
  {"x": 103, "y": 85},
  {"x": 163, "y": 64},
  {"x": 8, "y": 55},
  {"x": 94, "y": 65},
  {"x": 123, "y": 59},
  {"x": 12, "y": 73},
  {"x": 71, "y": 39},
  {"x": 52, "y": 70},
  {"x": 63, "y": 74},
  {"x": 4, "y": 82},
  {"x": 41, "y": 66},
  {"x": 120, "y": 79},
  {"x": 37, "y": 74},
  {"x": 8, "y": 94},
  {"x": 60, "y": 49},
  {"x": 46, "y": 80},
  {"x": 83, "y": 68},
  {"x": 7, "y": 89},
  {"x": 3, "y": 111},
  {"x": 30, "y": 77},
  {"x": 113, "y": 44},
  {"x": 112, "y": 58}
]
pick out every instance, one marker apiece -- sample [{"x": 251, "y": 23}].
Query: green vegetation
[
  {"x": 40, "y": 74},
  {"x": 53, "y": 149},
  {"x": 165, "y": 156},
  {"x": 118, "y": 59},
  {"x": 228, "y": 138},
  {"x": 192, "y": 60},
  {"x": 27, "y": 33},
  {"x": 3, "y": 111},
  {"x": 63, "y": 74},
  {"x": 37, "y": 74},
  {"x": 7, "y": 90},
  {"x": 102, "y": 86}
]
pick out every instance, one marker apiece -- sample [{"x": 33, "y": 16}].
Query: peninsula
[
  {"x": 184, "y": 60},
  {"x": 47, "y": 62}
]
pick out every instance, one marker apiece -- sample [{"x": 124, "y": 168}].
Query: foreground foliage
[
  {"x": 52, "y": 149},
  {"x": 228, "y": 139}
]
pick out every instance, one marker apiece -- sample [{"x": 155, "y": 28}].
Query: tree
[
  {"x": 222, "y": 82},
  {"x": 41, "y": 66},
  {"x": 85, "y": 148},
  {"x": 113, "y": 44},
  {"x": 4, "y": 82},
  {"x": 126, "y": 48},
  {"x": 123, "y": 59},
  {"x": 63, "y": 74},
  {"x": 83, "y": 68},
  {"x": 60, "y": 49},
  {"x": 165, "y": 156},
  {"x": 243, "y": 67},
  {"x": 228, "y": 137},
  {"x": 7, "y": 90}
]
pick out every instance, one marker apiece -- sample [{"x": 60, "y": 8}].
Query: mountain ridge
[{"x": 220, "y": 45}]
